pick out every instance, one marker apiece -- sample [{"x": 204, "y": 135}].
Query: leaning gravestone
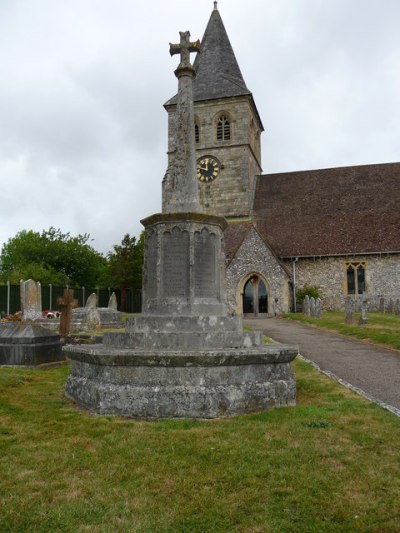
[
  {"x": 306, "y": 306},
  {"x": 29, "y": 342},
  {"x": 184, "y": 356},
  {"x": 349, "y": 310}
]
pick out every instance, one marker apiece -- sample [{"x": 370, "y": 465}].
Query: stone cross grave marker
[{"x": 67, "y": 302}]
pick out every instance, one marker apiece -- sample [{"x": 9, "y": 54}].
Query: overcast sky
[{"x": 83, "y": 134}]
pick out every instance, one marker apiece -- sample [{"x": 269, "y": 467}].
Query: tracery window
[
  {"x": 223, "y": 129},
  {"x": 355, "y": 277}
]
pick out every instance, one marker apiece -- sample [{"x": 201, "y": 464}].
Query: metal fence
[{"x": 10, "y": 301}]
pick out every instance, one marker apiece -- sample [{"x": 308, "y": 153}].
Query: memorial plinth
[{"x": 185, "y": 356}]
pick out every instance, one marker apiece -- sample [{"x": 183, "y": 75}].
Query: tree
[
  {"x": 51, "y": 257},
  {"x": 125, "y": 265}
]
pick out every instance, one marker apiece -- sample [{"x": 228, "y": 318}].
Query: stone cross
[
  {"x": 67, "y": 302},
  {"x": 31, "y": 300},
  {"x": 184, "y": 48},
  {"x": 180, "y": 186}
]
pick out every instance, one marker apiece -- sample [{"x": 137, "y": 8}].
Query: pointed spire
[{"x": 218, "y": 72}]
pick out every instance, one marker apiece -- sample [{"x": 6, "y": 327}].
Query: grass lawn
[
  {"x": 381, "y": 329},
  {"x": 330, "y": 464}
]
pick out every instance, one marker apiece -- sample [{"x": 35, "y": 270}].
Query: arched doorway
[{"x": 255, "y": 297}]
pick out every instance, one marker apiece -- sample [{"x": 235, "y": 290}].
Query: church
[{"x": 335, "y": 229}]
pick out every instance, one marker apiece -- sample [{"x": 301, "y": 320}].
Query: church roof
[
  {"x": 218, "y": 72},
  {"x": 336, "y": 211},
  {"x": 234, "y": 236}
]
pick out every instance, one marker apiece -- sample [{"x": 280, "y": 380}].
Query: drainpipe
[{"x": 294, "y": 261}]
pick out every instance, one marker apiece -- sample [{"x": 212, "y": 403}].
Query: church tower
[{"x": 227, "y": 128}]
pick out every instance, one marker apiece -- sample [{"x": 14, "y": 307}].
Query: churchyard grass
[
  {"x": 329, "y": 464},
  {"x": 382, "y": 328}
]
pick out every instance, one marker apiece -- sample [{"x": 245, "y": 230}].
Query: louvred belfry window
[
  {"x": 196, "y": 133},
  {"x": 223, "y": 129}
]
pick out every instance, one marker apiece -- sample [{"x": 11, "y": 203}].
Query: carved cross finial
[
  {"x": 215, "y": 6},
  {"x": 184, "y": 48}
]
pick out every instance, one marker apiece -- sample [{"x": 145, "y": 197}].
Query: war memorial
[{"x": 186, "y": 355}]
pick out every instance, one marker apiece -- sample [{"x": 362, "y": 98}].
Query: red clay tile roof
[{"x": 331, "y": 211}]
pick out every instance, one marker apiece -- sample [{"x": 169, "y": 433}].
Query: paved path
[{"x": 373, "y": 369}]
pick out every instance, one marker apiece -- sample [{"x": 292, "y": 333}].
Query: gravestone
[
  {"x": 31, "y": 300},
  {"x": 318, "y": 308},
  {"x": 29, "y": 342},
  {"x": 306, "y": 306},
  {"x": 382, "y": 305},
  {"x": 349, "y": 310},
  {"x": 91, "y": 317},
  {"x": 390, "y": 306},
  {"x": 113, "y": 303},
  {"x": 67, "y": 303},
  {"x": 184, "y": 356},
  {"x": 397, "y": 307},
  {"x": 312, "y": 306},
  {"x": 363, "y": 320}
]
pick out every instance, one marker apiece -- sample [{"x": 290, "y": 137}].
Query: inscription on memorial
[
  {"x": 175, "y": 261},
  {"x": 151, "y": 264},
  {"x": 204, "y": 264}
]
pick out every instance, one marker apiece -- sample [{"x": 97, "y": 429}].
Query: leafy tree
[
  {"x": 51, "y": 257},
  {"x": 125, "y": 265}
]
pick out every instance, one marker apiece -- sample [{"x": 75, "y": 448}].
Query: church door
[{"x": 255, "y": 297}]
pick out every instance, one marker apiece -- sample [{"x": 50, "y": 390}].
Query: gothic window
[
  {"x": 223, "y": 129},
  {"x": 196, "y": 133},
  {"x": 355, "y": 274}
]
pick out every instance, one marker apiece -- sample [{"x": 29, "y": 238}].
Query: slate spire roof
[{"x": 218, "y": 72}]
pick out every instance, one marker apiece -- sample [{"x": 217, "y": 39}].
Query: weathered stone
[
  {"x": 390, "y": 306},
  {"x": 28, "y": 344},
  {"x": 31, "y": 300},
  {"x": 363, "y": 320},
  {"x": 306, "y": 306},
  {"x": 184, "y": 357},
  {"x": 312, "y": 306},
  {"x": 318, "y": 308},
  {"x": 91, "y": 302},
  {"x": 382, "y": 305},
  {"x": 67, "y": 302},
  {"x": 397, "y": 307},
  {"x": 349, "y": 310},
  {"x": 113, "y": 303}
]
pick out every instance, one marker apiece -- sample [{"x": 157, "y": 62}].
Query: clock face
[{"x": 207, "y": 168}]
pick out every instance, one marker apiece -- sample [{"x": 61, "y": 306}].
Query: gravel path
[{"x": 374, "y": 370}]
